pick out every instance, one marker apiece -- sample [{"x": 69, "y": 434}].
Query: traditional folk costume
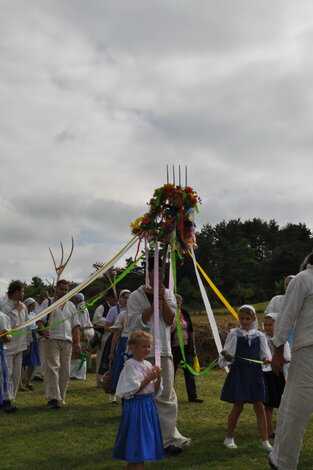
[
  {"x": 166, "y": 402},
  {"x": 79, "y": 368},
  {"x": 119, "y": 353},
  {"x": 139, "y": 436},
  {"x": 275, "y": 383},
  {"x": 297, "y": 400},
  {"x": 99, "y": 320},
  {"x": 14, "y": 349},
  {"x": 32, "y": 356},
  {"x": 58, "y": 350},
  {"x": 245, "y": 381},
  {"x": 4, "y": 325}
]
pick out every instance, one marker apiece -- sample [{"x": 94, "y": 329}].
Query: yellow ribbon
[{"x": 215, "y": 289}]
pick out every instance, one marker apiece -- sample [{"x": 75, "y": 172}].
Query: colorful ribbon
[
  {"x": 179, "y": 327},
  {"x": 215, "y": 289},
  {"x": 88, "y": 304},
  {"x": 80, "y": 287}
]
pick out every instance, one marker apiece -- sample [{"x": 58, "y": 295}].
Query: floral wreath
[{"x": 172, "y": 212}]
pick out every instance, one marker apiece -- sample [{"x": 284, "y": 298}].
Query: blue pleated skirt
[
  {"x": 3, "y": 373},
  {"x": 139, "y": 437},
  {"x": 119, "y": 361}
]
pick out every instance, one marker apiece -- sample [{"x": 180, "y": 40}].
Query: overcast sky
[{"x": 98, "y": 96}]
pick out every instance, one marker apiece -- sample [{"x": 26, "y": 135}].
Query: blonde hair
[{"x": 139, "y": 336}]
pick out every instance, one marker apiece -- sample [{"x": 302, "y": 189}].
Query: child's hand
[
  {"x": 226, "y": 354},
  {"x": 158, "y": 371},
  {"x": 267, "y": 360}
]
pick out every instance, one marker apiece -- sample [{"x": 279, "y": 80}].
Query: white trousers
[
  {"x": 58, "y": 355},
  {"x": 167, "y": 406},
  {"x": 14, "y": 365},
  {"x": 294, "y": 411}
]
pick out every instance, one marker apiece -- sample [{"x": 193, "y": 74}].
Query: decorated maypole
[{"x": 169, "y": 225}]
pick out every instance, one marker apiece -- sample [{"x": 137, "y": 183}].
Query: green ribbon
[
  {"x": 88, "y": 304},
  {"x": 250, "y": 360},
  {"x": 179, "y": 327},
  {"x": 85, "y": 357}
]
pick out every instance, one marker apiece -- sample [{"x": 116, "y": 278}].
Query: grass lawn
[{"x": 81, "y": 435}]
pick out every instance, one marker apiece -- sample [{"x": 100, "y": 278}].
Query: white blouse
[
  {"x": 133, "y": 373},
  {"x": 231, "y": 344}
]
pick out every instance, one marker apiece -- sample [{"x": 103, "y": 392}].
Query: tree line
[{"x": 246, "y": 260}]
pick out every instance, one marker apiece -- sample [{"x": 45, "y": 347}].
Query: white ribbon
[
  {"x": 208, "y": 307},
  {"x": 156, "y": 306}
]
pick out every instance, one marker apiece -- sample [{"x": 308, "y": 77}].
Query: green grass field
[{"x": 81, "y": 435}]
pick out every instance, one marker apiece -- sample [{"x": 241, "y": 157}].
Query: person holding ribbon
[
  {"x": 18, "y": 315},
  {"x": 245, "y": 348},
  {"x": 63, "y": 331},
  {"x": 79, "y": 359},
  {"x": 140, "y": 313},
  {"x": 31, "y": 357},
  {"x": 189, "y": 347},
  {"x": 296, "y": 312},
  {"x": 139, "y": 436},
  {"x": 5, "y": 326}
]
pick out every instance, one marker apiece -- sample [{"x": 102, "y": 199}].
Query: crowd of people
[{"x": 263, "y": 370}]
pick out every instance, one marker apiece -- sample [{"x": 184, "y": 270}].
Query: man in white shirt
[
  {"x": 58, "y": 345},
  {"x": 18, "y": 314},
  {"x": 140, "y": 317},
  {"x": 297, "y": 401}
]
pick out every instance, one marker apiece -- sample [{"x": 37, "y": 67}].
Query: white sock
[
  {"x": 266, "y": 445},
  {"x": 229, "y": 440}
]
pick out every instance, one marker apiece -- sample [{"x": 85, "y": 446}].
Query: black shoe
[
  {"x": 30, "y": 387},
  {"x": 273, "y": 466},
  {"x": 38, "y": 379},
  {"x": 8, "y": 407},
  {"x": 54, "y": 404},
  {"x": 196, "y": 400},
  {"x": 173, "y": 450}
]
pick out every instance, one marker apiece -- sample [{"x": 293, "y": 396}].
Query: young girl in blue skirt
[
  {"x": 139, "y": 436},
  {"x": 245, "y": 381}
]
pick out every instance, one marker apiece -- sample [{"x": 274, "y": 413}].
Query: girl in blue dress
[
  {"x": 139, "y": 436},
  {"x": 245, "y": 381}
]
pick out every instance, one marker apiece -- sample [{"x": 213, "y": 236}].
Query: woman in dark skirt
[
  {"x": 31, "y": 357},
  {"x": 189, "y": 347}
]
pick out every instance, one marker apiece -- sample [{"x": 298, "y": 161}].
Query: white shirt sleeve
[
  {"x": 136, "y": 304},
  {"x": 98, "y": 318},
  {"x": 129, "y": 381},
  {"x": 287, "y": 352},
  {"x": 230, "y": 346},
  {"x": 264, "y": 348},
  {"x": 291, "y": 306}
]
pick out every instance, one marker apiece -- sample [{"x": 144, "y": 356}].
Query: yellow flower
[{"x": 136, "y": 225}]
